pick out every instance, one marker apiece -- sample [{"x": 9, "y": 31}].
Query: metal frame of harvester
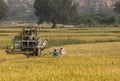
[{"x": 28, "y": 42}]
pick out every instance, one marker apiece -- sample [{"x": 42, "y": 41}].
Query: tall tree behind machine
[
  {"x": 117, "y": 7},
  {"x": 3, "y": 9},
  {"x": 64, "y": 11}
]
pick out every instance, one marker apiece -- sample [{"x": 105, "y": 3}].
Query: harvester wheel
[
  {"x": 8, "y": 50},
  {"x": 35, "y": 51}
]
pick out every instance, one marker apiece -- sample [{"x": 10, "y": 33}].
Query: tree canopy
[
  {"x": 3, "y": 9},
  {"x": 56, "y": 11},
  {"x": 117, "y": 7}
]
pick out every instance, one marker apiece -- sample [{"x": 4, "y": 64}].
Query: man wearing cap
[{"x": 55, "y": 53}]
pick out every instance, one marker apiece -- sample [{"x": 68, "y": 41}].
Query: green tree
[
  {"x": 3, "y": 9},
  {"x": 117, "y": 7},
  {"x": 55, "y": 11}
]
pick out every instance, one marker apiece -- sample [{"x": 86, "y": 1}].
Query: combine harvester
[{"x": 28, "y": 42}]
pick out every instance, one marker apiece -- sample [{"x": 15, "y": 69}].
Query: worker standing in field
[{"x": 55, "y": 52}]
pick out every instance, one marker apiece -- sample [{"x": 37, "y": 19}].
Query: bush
[{"x": 97, "y": 20}]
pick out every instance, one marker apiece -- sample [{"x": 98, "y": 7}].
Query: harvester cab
[{"x": 28, "y": 42}]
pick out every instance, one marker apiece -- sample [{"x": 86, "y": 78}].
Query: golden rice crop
[
  {"x": 82, "y": 62},
  {"x": 86, "y": 62}
]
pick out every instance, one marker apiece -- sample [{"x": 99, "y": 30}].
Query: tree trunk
[
  {"x": 53, "y": 25},
  {"x": 53, "y": 20}
]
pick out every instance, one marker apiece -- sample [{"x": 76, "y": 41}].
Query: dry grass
[
  {"x": 89, "y": 62},
  {"x": 91, "y": 49},
  {"x": 82, "y": 62}
]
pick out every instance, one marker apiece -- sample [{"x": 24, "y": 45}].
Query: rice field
[{"x": 92, "y": 54}]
